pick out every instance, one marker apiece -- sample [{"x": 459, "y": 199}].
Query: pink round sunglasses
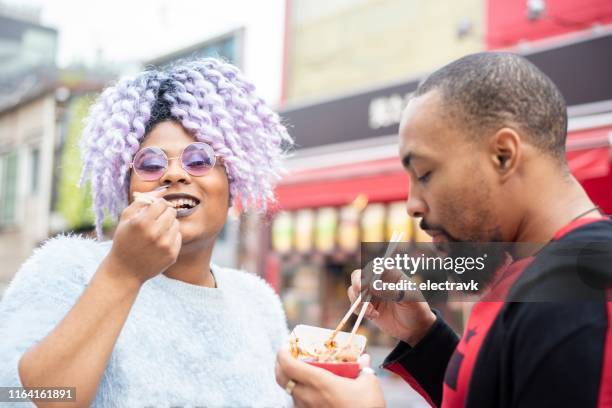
[{"x": 151, "y": 163}]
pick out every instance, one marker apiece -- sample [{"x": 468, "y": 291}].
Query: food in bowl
[
  {"x": 311, "y": 344},
  {"x": 329, "y": 352}
]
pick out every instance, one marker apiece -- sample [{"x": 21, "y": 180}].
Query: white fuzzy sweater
[{"x": 182, "y": 345}]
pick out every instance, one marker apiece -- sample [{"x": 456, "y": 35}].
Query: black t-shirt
[{"x": 543, "y": 347}]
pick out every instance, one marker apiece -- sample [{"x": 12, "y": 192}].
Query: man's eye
[{"x": 425, "y": 177}]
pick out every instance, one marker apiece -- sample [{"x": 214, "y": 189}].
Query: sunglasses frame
[{"x": 180, "y": 157}]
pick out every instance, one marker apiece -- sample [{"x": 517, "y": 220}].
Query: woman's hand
[
  {"x": 317, "y": 387},
  {"x": 77, "y": 350},
  {"x": 147, "y": 239}
]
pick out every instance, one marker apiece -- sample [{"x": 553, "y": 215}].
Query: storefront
[{"x": 346, "y": 183}]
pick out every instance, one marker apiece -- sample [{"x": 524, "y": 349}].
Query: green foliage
[{"x": 74, "y": 203}]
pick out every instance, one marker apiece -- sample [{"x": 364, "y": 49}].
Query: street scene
[{"x": 183, "y": 184}]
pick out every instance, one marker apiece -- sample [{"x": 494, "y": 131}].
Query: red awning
[
  {"x": 380, "y": 180},
  {"x": 588, "y": 154}
]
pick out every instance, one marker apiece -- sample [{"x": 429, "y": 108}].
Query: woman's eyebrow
[{"x": 164, "y": 150}]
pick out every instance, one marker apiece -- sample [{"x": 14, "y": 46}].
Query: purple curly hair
[{"x": 213, "y": 101}]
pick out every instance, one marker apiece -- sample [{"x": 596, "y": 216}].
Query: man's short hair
[{"x": 489, "y": 90}]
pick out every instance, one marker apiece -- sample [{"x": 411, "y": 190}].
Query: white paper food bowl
[{"x": 311, "y": 337}]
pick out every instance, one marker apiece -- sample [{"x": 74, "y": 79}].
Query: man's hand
[
  {"x": 317, "y": 387},
  {"x": 407, "y": 319}
]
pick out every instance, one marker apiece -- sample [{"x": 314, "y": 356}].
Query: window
[
  {"x": 227, "y": 46},
  {"x": 34, "y": 170},
  {"x": 8, "y": 188},
  {"x": 224, "y": 48}
]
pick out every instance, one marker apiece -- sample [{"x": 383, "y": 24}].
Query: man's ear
[{"x": 505, "y": 151}]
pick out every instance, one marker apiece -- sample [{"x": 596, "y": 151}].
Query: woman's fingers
[
  {"x": 142, "y": 201},
  {"x": 134, "y": 209},
  {"x": 143, "y": 198},
  {"x": 364, "y": 360},
  {"x": 178, "y": 238},
  {"x": 166, "y": 219},
  {"x": 299, "y": 371},
  {"x": 281, "y": 378},
  {"x": 156, "y": 209},
  {"x": 168, "y": 230}
]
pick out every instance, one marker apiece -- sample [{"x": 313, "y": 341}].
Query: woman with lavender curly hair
[{"x": 146, "y": 319}]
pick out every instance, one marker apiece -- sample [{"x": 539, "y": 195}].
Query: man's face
[{"x": 452, "y": 183}]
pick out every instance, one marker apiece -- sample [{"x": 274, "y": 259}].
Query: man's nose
[{"x": 415, "y": 206}]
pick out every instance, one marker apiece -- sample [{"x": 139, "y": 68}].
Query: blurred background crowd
[{"x": 339, "y": 73}]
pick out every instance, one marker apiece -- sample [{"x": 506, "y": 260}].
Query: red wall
[{"x": 507, "y": 22}]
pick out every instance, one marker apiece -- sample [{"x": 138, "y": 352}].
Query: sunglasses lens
[
  {"x": 198, "y": 158},
  {"x": 150, "y": 164}
]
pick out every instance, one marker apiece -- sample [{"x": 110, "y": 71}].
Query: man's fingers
[
  {"x": 356, "y": 280},
  {"x": 351, "y": 294},
  {"x": 355, "y": 288},
  {"x": 371, "y": 312}
]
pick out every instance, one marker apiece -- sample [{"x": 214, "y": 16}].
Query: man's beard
[
  {"x": 495, "y": 255},
  {"x": 494, "y": 251}
]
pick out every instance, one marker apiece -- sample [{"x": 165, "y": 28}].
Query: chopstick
[
  {"x": 345, "y": 319},
  {"x": 395, "y": 238}
]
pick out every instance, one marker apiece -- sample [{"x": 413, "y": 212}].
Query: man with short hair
[{"x": 483, "y": 142}]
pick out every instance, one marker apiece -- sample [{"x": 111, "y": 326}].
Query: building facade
[
  {"x": 344, "y": 99},
  {"x": 27, "y": 139}
]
